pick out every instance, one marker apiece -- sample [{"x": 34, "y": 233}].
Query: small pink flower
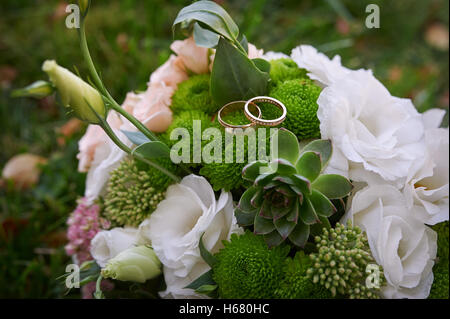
[
  {"x": 194, "y": 58},
  {"x": 84, "y": 223}
]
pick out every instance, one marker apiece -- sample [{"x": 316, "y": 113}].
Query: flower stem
[
  {"x": 99, "y": 84},
  {"x": 108, "y": 130}
]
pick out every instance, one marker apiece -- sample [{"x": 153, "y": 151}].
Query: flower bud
[
  {"x": 23, "y": 170},
  {"x": 75, "y": 93},
  {"x": 38, "y": 90},
  {"x": 136, "y": 264},
  {"x": 84, "y": 6}
]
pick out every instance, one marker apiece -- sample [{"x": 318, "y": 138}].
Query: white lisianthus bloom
[
  {"x": 404, "y": 246},
  {"x": 320, "y": 67},
  {"x": 189, "y": 210},
  {"x": 375, "y": 136},
  {"x": 271, "y": 55},
  {"x": 428, "y": 188},
  {"x": 107, "y": 157},
  {"x": 107, "y": 244}
]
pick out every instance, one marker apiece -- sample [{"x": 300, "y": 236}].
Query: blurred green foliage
[{"x": 128, "y": 40}]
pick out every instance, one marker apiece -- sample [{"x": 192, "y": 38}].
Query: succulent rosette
[{"x": 292, "y": 195}]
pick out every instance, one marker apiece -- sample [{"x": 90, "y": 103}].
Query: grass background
[{"x": 128, "y": 40}]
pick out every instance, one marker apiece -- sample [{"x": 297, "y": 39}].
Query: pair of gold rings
[{"x": 254, "y": 120}]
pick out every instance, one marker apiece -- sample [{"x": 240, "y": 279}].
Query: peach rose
[
  {"x": 170, "y": 73},
  {"x": 151, "y": 107},
  {"x": 253, "y": 52},
  {"x": 93, "y": 137},
  {"x": 23, "y": 170},
  {"x": 194, "y": 58}
]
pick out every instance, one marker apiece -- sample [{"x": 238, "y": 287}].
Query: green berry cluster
[
  {"x": 133, "y": 192},
  {"x": 341, "y": 261}
]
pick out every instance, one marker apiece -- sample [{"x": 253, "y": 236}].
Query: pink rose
[
  {"x": 151, "y": 107},
  {"x": 170, "y": 73},
  {"x": 194, "y": 58},
  {"x": 253, "y": 52},
  {"x": 93, "y": 137}
]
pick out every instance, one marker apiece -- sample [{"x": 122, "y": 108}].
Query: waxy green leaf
[
  {"x": 309, "y": 165},
  {"x": 333, "y": 186}
]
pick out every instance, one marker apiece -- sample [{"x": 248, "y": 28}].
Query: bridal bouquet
[{"x": 244, "y": 174}]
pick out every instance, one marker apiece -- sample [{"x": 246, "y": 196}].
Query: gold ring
[
  {"x": 260, "y": 121},
  {"x": 231, "y": 107}
]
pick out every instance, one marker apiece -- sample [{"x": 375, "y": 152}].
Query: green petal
[
  {"x": 287, "y": 145},
  {"x": 309, "y": 165},
  {"x": 273, "y": 239},
  {"x": 263, "y": 226},
  {"x": 243, "y": 218},
  {"x": 245, "y": 201},
  {"x": 302, "y": 182},
  {"x": 284, "y": 227},
  {"x": 293, "y": 214},
  {"x": 323, "y": 147},
  {"x": 257, "y": 199},
  {"x": 251, "y": 171},
  {"x": 264, "y": 179},
  {"x": 299, "y": 236},
  {"x": 265, "y": 210},
  {"x": 307, "y": 213},
  {"x": 282, "y": 167},
  {"x": 333, "y": 186},
  {"x": 322, "y": 205}
]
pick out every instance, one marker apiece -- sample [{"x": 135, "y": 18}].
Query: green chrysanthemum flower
[
  {"x": 134, "y": 190},
  {"x": 300, "y": 98},
  {"x": 440, "y": 288},
  {"x": 341, "y": 261},
  {"x": 247, "y": 268},
  {"x": 285, "y": 69},
  {"x": 296, "y": 284},
  {"x": 194, "y": 94}
]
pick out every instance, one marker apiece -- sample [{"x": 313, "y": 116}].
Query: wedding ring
[
  {"x": 260, "y": 121},
  {"x": 232, "y": 106}
]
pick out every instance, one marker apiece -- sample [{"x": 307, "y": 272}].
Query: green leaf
[
  {"x": 293, "y": 214},
  {"x": 137, "y": 138},
  {"x": 299, "y": 236},
  {"x": 322, "y": 205},
  {"x": 302, "y": 182},
  {"x": 152, "y": 149},
  {"x": 206, "y": 289},
  {"x": 234, "y": 76},
  {"x": 309, "y": 165},
  {"x": 333, "y": 186},
  {"x": 257, "y": 199},
  {"x": 245, "y": 201},
  {"x": 244, "y": 218},
  {"x": 244, "y": 43},
  {"x": 211, "y": 15},
  {"x": 324, "y": 147},
  {"x": 264, "y": 179},
  {"x": 206, "y": 255},
  {"x": 263, "y": 226},
  {"x": 262, "y": 64},
  {"x": 287, "y": 147},
  {"x": 205, "y": 279},
  {"x": 265, "y": 210},
  {"x": 273, "y": 239},
  {"x": 251, "y": 171},
  {"x": 307, "y": 213},
  {"x": 204, "y": 37},
  {"x": 284, "y": 227},
  {"x": 317, "y": 229}
]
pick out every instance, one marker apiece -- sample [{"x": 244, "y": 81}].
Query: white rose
[
  {"x": 320, "y": 67},
  {"x": 401, "y": 244},
  {"x": 375, "y": 136},
  {"x": 108, "y": 244},
  {"x": 175, "y": 227},
  {"x": 428, "y": 189}
]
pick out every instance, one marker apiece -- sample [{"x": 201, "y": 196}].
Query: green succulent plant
[{"x": 290, "y": 195}]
